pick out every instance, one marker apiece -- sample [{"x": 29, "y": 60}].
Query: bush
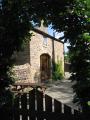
[{"x": 58, "y": 72}]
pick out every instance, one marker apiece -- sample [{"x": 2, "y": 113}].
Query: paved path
[{"x": 62, "y": 91}]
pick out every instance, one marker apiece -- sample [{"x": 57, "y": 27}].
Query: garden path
[{"x": 62, "y": 91}]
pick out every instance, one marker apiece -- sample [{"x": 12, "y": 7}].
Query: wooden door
[{"x": 45, "y": 67}]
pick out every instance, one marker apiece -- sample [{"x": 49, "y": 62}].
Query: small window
[{"x": 45, "y": 40}]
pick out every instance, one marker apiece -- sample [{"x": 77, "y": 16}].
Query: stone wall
[
  {"x": 23, "y": 57},
  {"x": 37, "y": 48},
  {"x": 59, "y": 52},
  {"x": 28, "y": 61},
  {"x": 22, "y": 73}
]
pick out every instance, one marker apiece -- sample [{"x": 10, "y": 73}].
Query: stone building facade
[{"x": 35, "y": 63}]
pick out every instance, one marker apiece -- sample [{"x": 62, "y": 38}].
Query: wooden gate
[{"x": 37, "y": 106}]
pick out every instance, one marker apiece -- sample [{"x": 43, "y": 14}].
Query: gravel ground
[{"x": 62, "y": 91}]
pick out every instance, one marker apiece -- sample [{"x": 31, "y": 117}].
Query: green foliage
[
  {"x": 58, "y": 71},
  {"x": 67, "y": 57},
  {"x": 80, "y": 65},
  {"x": 88, "y": 103},
  {"x": 14, "y": 27}
]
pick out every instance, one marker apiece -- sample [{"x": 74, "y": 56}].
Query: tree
[
  {"x": 80, "y": 66},
  {"x": 14, "y": 27},
  {"x": 67, "y": 57},
  {"x": 17, "y": 18}
]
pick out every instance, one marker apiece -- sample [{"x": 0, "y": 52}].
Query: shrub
[{"x": 58, "y": 72}]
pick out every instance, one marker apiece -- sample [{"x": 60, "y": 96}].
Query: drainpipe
[{"x": 53, "y": 54}]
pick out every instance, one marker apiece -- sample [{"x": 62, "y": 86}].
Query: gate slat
[
  {"x": 48, "y": 107},
  {"x": 39, "y": 99},
  {"x": 57, "y": 106},
  {"x": 67, "y": 109},
  {"x": 24, "y": 106},
  {"x": 48, "y": 103},
  {"x": 77, "y": 115},
  {"x": 16, "y": 108},
  {"x": 32, "y": 113}
]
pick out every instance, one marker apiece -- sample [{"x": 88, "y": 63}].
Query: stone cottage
[{"x": 35, "y": 63}]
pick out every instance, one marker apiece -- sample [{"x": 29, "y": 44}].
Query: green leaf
[{"x": 88, "y": 103}]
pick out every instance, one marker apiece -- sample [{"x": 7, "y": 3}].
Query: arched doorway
[{"x": 45, "y": 66}]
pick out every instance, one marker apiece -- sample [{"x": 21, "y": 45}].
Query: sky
[{"x": 57, "y": 35}]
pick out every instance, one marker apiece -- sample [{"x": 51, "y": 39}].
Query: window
[{"x": 45, "y": 40}]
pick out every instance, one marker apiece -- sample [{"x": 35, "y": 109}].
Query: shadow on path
[{"x": 62, "y": 91}]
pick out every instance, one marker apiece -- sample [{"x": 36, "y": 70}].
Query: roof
[{"x": 47, "y": 35}]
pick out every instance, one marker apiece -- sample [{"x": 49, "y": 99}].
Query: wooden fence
[{"x": 37, "y": 106}]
